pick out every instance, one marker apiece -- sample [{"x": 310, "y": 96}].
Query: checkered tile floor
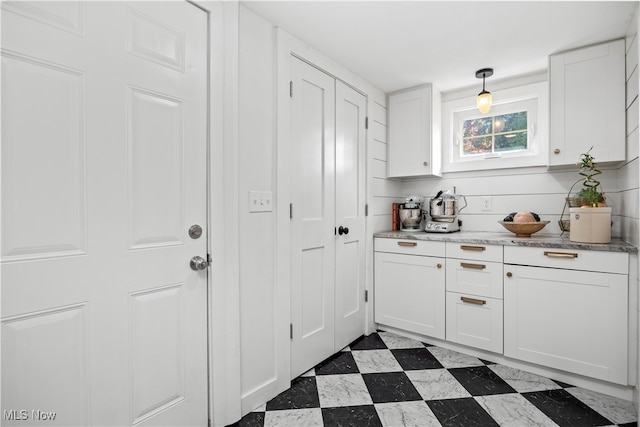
[{"x": 387, "y": 380}]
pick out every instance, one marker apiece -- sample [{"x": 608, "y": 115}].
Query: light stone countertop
[{"x": 509, "y": 239}]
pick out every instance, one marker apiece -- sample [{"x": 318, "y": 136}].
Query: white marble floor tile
[
  {"x": 437, "y": 384},
  {"x": 369, "y": 361},
  {"x": 347, "y": 348},
  {"x": 261, "y": 408},
  {"x": 294, "y": 418},
  {"x": 617, "y": 410},
  {"x": 394, "y": 341},
  {"x": 342, "y": 390},
  {"x": 522, "y": 381},
  {"x": 513, "y": 410},
  {"x": 406, "y": 414},
  {"x": 310, "y": 373},
  {"x": 452, "y": 359}
]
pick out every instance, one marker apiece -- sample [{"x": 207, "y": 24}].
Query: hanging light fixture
[{"x": 484, "y": 97}]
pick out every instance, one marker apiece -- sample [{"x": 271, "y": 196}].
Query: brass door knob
[
  {"x": 426, "y": 163},
  {"x": 439, "y": 265},
  {"x": 509, "y": 274},
  {"x": 556, "y": 151}
]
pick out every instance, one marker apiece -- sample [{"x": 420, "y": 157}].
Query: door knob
[
  {"x": 343, "y": 230},
  {"x": 198, "y": 263}
]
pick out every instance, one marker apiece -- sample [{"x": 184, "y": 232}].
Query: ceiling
[{"x": 398, "y": 44}]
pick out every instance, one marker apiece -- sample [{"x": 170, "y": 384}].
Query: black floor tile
[
  {"x": 628, "y": 425},
  {"x": 369, "y": 342},
  {"x": 390, "y": 387},
  {"x": 564, "y": 409},
  {"x": 352, "y": 416},
  {"x": 252, "y": 419},
  {"x": 302, "y": 394},
  {"x": 561, "y": 384},
  {"x": 412, "y": 359},
  {"x": 481, "y": 381},
  {"x": 486, "y": 362},
  {"x": 339, "y": 363},
  {"x": 464, "y": 412}
]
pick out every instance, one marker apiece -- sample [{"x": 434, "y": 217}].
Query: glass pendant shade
[{"x": 484, "y": 101}]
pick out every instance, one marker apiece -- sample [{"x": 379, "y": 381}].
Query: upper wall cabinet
[
  {"x": 587, "y": 104},
  {"x": 414, "y": 132}
]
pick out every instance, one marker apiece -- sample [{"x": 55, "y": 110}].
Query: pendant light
[{"x": 484, "y": 97}]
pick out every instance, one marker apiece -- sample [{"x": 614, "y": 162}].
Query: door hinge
[
  {"x": 209, "y": 422},
  {"x": 366, "y": 296},
  {"x": 209, "y": 259},
  {"x": 290, "y": 210},
  {"x": 291, "y": 330},
  {"x": 366, "y": 122},
  {"x": 291, "y": 89},
  {"x": 366, "y": 210}
]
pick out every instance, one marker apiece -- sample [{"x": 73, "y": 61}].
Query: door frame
[
  {"x": 288, "y": 46},
  {"x": 223, "y": 282}
]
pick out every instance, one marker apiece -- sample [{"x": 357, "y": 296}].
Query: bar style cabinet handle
[
  {"x": 474, "y": 266},
  {"x": 472, "y": 248},
  {"x": 560, "y": 254},
  {"x": 473, "y": 301},
  {"x": 409, "y": 244}
]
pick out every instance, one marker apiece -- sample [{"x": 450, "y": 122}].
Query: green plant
[{"x": 589, "y": 195}]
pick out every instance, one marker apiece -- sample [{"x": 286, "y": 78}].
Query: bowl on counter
[{"x": 524, "y": 229}]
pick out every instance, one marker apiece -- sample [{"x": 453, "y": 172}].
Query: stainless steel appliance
[
  {"x": 443, "y": 212},
  {"x": 410, "y": 214}
]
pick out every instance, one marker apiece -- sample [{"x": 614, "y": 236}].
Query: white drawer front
[
  {"x": 474, "y": 251},
  {"x": 474, "y": 277},
  {"x": 410, "y": 247},
  {"x": 476, "y": 322},
  {"x": 607, "y": 262}
]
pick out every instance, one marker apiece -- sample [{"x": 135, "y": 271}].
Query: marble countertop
[{"x": 509, "y": 239}]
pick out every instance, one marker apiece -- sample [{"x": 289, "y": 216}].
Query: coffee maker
[{"x": 410, "y": 214}]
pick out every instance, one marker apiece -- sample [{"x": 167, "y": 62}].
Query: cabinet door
[
  {"x": 414, "y": 133},
  {"x": 571, "y": 320},
  {"x": 587, "y": 103},
  {"x": 410, "y": 293},
  {"x": 474, "y": 321}
]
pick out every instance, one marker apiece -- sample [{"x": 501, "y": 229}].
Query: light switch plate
[{"x": 260, "y": 201}]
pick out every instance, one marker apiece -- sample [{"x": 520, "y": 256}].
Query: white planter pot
[{"x": 590, "y": 225}]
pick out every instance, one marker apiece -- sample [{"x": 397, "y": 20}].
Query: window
[
  {"x": 512, "y": 134},
  {"x": 494, "y": 134}
]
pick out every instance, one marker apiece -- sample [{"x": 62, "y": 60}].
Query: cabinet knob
[
  {"x": 439, "y": 265},
  {"x": 556, "y": 151},
  {"x": 425, "y": 163},
  {"x": 509, "y": 274}
]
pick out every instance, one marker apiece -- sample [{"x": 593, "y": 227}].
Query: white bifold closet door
[
  {"x": 328, "y": 140},
  {"x": 104, "y": 143}
]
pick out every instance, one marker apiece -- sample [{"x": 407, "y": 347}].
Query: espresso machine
[
  {"x": 410, "y": 214},
  {"x": 443, "y": 213}
]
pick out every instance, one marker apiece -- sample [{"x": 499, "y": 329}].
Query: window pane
[
  {"x": 476, "y": 127},
  {"x": 511, "y": 141},
  {"x": 511, "y": 122},
  {"x": 476, "y": 145}
]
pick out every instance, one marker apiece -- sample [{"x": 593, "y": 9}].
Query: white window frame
[{"x": 532, "y": 98}]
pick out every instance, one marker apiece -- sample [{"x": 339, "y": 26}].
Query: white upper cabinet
[
  {"x": 414, "y": 147},
  {"x": 587, "y": 104}
]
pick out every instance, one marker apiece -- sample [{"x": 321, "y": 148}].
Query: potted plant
[{"x": 591, "y": 221}]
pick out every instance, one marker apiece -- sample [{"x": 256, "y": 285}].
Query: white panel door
[
  {"x": 350, "y": 202},
  {"x": 312, "y": 223},
  {"x": 104, "y": 129}
]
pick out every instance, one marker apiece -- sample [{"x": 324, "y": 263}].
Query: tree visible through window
[{"x": 495, "y": 134}]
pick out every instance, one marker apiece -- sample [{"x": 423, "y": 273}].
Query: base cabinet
[
  {"x": 571, "y": 320},
  {"x": 474, "y": 321},
  {"x": 409, "y": 293}
]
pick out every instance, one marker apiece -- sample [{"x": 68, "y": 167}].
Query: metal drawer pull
[
  {"x": 560, "y": 254},
  {"x": 473, "y": 301},
  {"x": 476, "y": 266},
  {"x": 473, "y": 248},
  {"x": 410, "y": 244}
]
